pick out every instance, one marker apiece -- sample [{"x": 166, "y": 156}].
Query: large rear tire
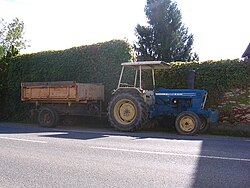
[
  {"x": 127, "y": 111},
  {"x": 187, "y": 123},
  {"x": 47, "y": 117}
]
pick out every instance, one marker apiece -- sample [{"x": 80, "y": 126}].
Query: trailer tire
[
  {"x": 127, "y": 111},
  {"x": 47, "y": 117},
  {"x": 187, "y": 123}
]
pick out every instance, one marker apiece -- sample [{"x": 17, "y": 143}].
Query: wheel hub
[
  {"x": 47, "y": 118},
  {"x": 125, "y": 111},
  {"x": 187, "y": 123}
]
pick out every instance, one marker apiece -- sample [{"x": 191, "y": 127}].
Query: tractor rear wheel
[
  {"x": 127, "y": 111},
  {"x": 187, "y": 123}
]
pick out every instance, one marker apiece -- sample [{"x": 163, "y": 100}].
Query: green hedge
[
  {"x": 217, "y": 77},
  {"x": 98, "y": 63}
]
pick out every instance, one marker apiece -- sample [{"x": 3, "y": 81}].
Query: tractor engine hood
[{"x": 181, "y": 93}]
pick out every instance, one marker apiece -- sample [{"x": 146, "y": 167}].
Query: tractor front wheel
[
  {"x": 187, "y": 123},
  {"x": 127, "y": 111},
  {"x": 204, "y": 124}
]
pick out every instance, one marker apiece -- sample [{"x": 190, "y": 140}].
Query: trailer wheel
[
  {"x": 127, "y": 111},
  {"x": 47, "y": 117},
  {"x": 187, "y": 123},
  {"x": 204, "y": 124}
]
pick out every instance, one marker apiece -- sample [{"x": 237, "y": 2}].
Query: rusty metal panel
[
  {"x": 90, "y": 92},
  {"x": 61, "y": 92}
]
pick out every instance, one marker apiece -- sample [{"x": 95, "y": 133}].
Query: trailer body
[
  {"x": 62, "y": 92},
  {"x": 57, "y": 100}
]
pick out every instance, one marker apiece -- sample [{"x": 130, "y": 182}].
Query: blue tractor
[{"x": 132, "y": 106}]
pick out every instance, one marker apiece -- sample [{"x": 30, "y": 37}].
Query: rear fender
[{"x": 131, "y": 90}]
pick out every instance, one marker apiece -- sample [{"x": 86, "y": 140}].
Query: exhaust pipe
[{"x": 191, "y": 79}]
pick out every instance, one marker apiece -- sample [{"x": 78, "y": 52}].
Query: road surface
[{"x": 39, "y": 157}]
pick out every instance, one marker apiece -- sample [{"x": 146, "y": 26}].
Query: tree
[
  {"x": 11, "y": 36},
  {"x": 11, "y": 42},
  {"x": 165, "y": 38}
]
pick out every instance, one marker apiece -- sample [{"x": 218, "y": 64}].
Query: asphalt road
[{"x": 38, "y": 157}]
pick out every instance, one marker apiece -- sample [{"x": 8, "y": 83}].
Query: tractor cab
[
  {"x": 137, "y": 82},
  {"x": 139, "y": 67}
]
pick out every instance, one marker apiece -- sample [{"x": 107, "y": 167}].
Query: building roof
[{"x": 247, "y": 51}]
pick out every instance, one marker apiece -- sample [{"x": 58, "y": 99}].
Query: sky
[{"x": 221, "y": 28}]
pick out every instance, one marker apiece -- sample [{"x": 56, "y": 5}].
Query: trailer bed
[{"x": 61, "y": 92}]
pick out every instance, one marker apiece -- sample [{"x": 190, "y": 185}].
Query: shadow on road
[
  {"x": 89, "y": 132},
  {"x": 223, "y": 165}
]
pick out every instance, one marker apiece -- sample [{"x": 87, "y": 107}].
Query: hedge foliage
[
  {"x": 98, "y": 63},
  {"x": 217, "y": 77}
]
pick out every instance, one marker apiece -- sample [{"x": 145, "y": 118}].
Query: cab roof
[{"x": 147, "y": 65}]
